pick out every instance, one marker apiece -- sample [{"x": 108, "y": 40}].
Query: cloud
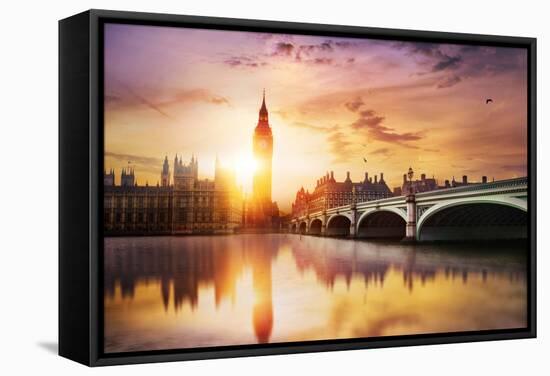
[
  {"x": 381, "y": 151},
  {"x": 368, "y": 118},
  {"x": 448, "y": 81},
  {"x": 426, "y": 49},
  {"x": 244, "y": 61},
  {"x": 309, "y": 49},
  {"x": 447, "y": 62},
  {"x": 339, "y": 146},
  {"x": 283, "y": 49},
  {"x": 146, "y": 102},
  {"x": 434, "y": 53},
  {"x": 134, "y": 97},
  {"x": 197, "y": 95},
  {"x": 142, "y": 163},
  {"x": 466, "y": 62},
  {"x": 322, "y": 61},
  {"x": 355, "y": 104},
  {"x": 318, "y": 128},
  {"x": 315, "y": 54},
  {"x": 282, "y": 113},
  {"x": 372, "y": 123}
]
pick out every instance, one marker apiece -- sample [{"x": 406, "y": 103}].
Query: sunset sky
[{"x": 331, "y": 101}]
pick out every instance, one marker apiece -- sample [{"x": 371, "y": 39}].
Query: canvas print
[{"x": 264, "y": 188}]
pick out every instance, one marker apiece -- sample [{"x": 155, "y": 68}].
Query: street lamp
[
  {"x": 410, "y": 229},
  {"x": 410, "y": 174}
]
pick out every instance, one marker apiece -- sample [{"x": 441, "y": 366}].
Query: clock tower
[{"x": 262, "y": 147}]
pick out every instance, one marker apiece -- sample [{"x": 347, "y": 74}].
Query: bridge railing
[
  {"x": 501, "y": 184},
  {"x": 509, "y": 183}
]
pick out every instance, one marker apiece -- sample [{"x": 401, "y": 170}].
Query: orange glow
[
  {"x": 330, "y": 105},
  {"x": 279, "y": 289},
  {"x": 245, "y": 166}
]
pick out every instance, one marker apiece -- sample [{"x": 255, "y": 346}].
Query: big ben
[{"x": 262, "y": 147}]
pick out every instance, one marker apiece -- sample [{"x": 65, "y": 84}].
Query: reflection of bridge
[{"x": 493, "y": 210}]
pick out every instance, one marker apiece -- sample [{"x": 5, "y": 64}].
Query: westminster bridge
[{"x": 495, "y": 210}]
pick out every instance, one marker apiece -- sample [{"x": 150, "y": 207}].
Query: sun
[{"x": 245, "y": 167}]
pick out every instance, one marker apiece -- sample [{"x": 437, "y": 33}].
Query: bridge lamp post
[
  {"x": 410, "y": 174},
  {"x": 353, "y": 207},
  {"x": 410, "y": 230}
]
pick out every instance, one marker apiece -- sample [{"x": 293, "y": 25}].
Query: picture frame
[{"x": 81, "y": 187}]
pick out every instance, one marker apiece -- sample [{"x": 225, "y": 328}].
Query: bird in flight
[
  {"x": 488, "y": 100},
  {"x": 365, "y": 159}
]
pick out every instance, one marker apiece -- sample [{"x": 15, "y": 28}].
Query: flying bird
[
  {"x": 365, "y": 159},
  {"x": 488, "y": 100}
]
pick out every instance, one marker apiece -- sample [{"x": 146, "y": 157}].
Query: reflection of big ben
[
  {"x": 263, "y": 154},
  {"x": 262, "y": 313}
]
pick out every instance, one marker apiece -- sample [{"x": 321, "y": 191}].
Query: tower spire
[{"x": 263, "y": 120}]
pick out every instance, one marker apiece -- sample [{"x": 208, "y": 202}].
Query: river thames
[{"x": 183, "y": 292}]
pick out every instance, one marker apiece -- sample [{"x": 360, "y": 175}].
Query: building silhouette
[
  {"x": 425, "y": 184},
  {"x": 185, "y": 205},
  {"x": 195, "y": 263},
  {"x": 329, "y": 193},
  {"x": 262, "y": 212}
]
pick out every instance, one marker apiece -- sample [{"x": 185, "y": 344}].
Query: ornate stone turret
[
  {"x": 165, "y": 174},
  {"x": 127, "y": 177},
  {"x": 109, "y": 178},
  {"x": 185, "y": 175},
  {"x": 263, "y": 119},
  {"x": 348, "y": 178}
]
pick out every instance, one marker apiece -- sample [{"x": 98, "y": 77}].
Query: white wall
[{"x": 28, "y": 210}]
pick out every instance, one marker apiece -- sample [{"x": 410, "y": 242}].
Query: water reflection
[{"x": 177, "y": 292}]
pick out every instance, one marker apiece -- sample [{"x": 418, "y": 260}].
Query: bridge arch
[
  {"x": 382, "y": 223},
  {"x": 478, "y": 218},
  {"x": 293, "y": 228},
  {"x": 315, "y": 226},
  {"x": 338, "y": 225},
  {"x": 302, "y": 228}
]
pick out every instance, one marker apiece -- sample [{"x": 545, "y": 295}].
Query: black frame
[{"x": 81, "y": 166}]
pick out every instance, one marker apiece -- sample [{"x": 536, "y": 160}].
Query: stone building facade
[
  {"x": 329, "y": 193},
  {"x": 184, "y": 204}
]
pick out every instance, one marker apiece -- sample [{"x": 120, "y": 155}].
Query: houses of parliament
[{"x": 184, "y": 204}]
